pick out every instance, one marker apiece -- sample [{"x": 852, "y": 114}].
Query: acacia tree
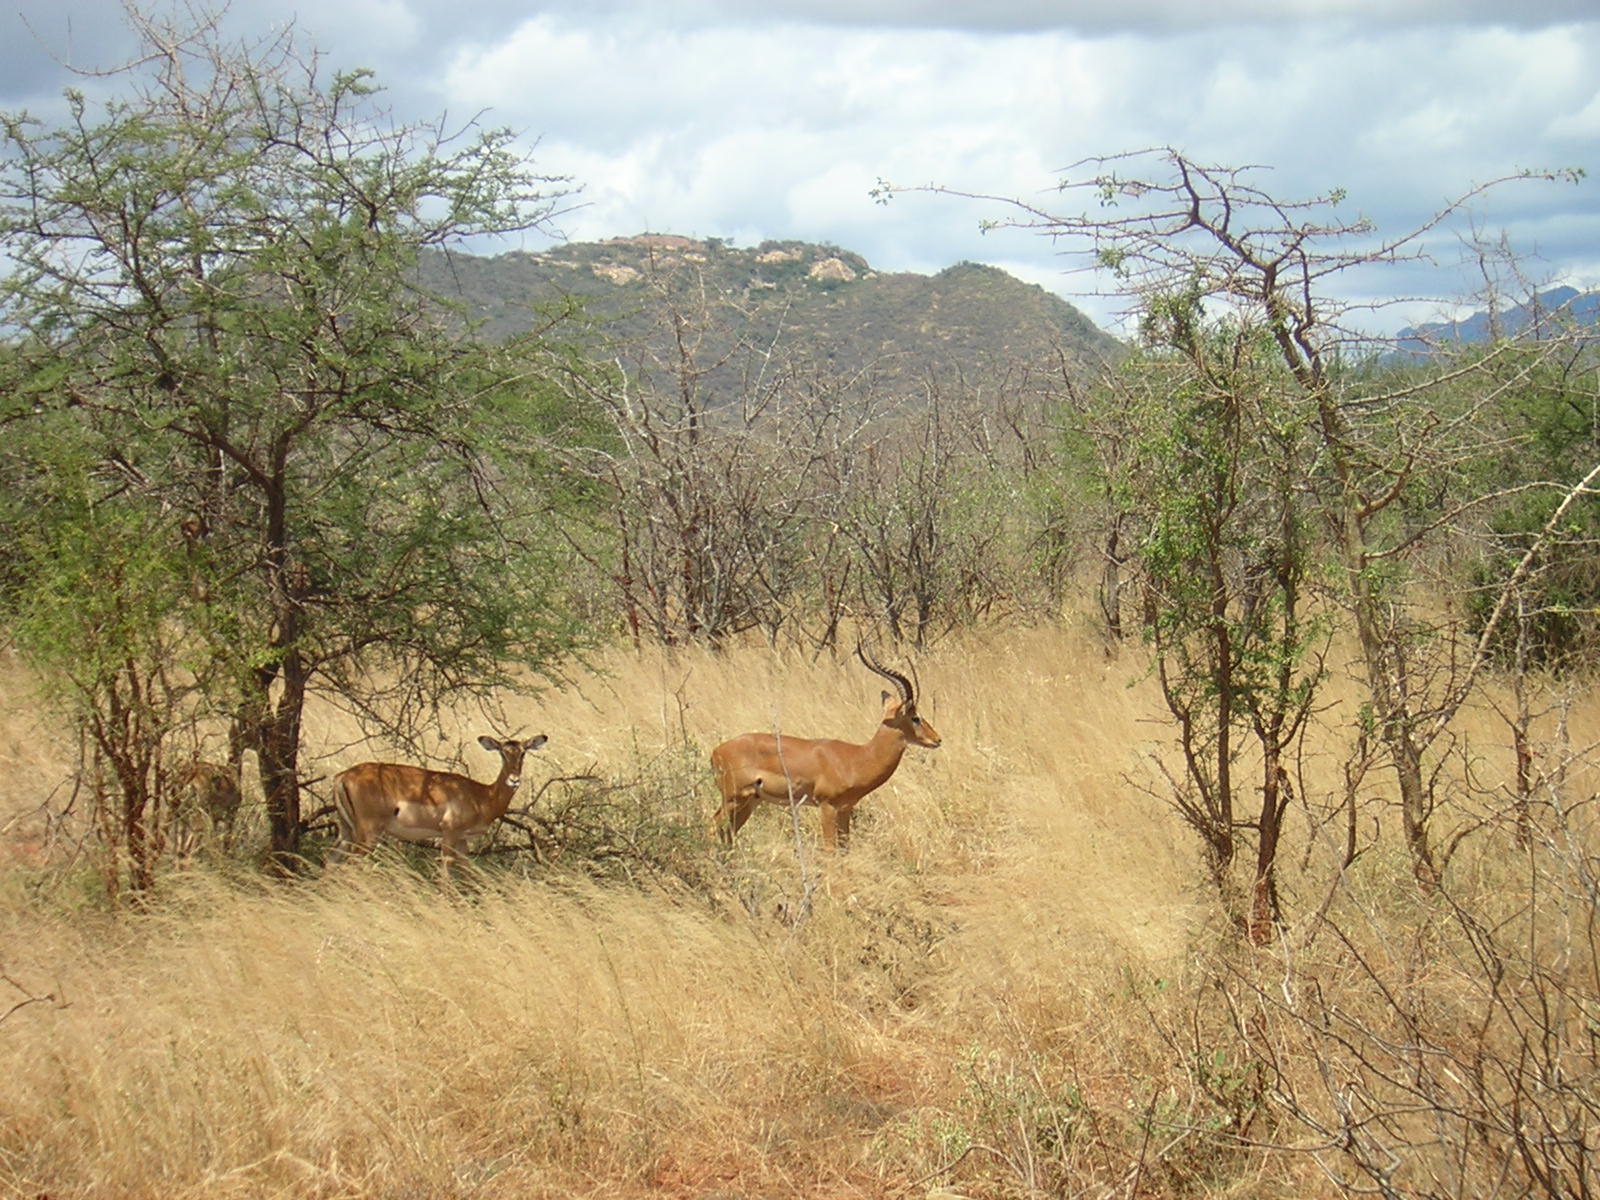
[
  {"x": 921, "y": 513},
  {"x": 708, "y": 491},
  {"x": 105, "y": 591},
  {"x": 754, "y": 485},
  {"x": 1551, "y": 431},
  {"x": 214, "y": 289},
  {"x": 1167, "y": 225},
  {"x": 1212, "y": 485}
]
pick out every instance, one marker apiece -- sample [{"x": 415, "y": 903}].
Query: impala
[
  {"x": 414, "y": 804},
  {"x": 830, "y": 774},
  {"x": 209, "y": 790}
]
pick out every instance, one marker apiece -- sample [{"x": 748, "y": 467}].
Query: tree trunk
[
  {"x": 1407, "y": 761},
  {"x": 1265, "y": 912},
  {"x": 1111, "y": 580},
  {"x": 1387, "y": 687},
  {"x": 277, "y": 726}
]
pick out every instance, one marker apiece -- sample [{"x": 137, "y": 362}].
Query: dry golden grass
[{"x": 1000, "y": 989}]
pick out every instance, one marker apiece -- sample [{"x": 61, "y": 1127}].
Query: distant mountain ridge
[
  {"x": 826, "y": 304},
  {"x": 1560, "y": 309}
]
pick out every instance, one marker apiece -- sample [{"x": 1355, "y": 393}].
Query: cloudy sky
[{"x": 748, "y": 120}]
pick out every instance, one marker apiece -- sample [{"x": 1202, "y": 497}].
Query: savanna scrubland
[
  {"x": 1258, "y": 859},
  {"x": 1016, "y": 983}
]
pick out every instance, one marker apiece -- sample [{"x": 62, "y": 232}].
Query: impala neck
[
  {"x": 502, "y": 790},
  {"x": 883, "y": 752}
]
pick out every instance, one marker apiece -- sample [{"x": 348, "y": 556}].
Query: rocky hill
[{"x": 648, "y": 294}]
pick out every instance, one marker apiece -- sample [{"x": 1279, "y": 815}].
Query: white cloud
[
  {"x": 378, "y": 26},
  {"x": 782, "y": 129},
  {"x": 1154, "y": 16},
  {"x": 1580, "y": 125},
  {"x": 731, "y": 118}
]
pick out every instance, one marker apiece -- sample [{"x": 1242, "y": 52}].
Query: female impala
[
  {"x": 418, "y": 805},
  {"x": 830, "y": 774},
  {"x": 208, "y": 801}
]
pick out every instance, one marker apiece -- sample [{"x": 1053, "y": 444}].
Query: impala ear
[
  {"x": 535, "y": 742},
  {"x": 488, "y": 743}
]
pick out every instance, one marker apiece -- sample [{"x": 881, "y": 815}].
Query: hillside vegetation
[{"x": 778, "y": 299}]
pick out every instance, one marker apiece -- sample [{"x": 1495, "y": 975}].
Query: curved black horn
[{"x": 907, "y": 692}]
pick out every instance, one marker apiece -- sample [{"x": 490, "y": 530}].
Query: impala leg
[
  {"x": 341, "y": 848},
  {"x": 735, "y": 811},
  {"x": 448, "y": 854},
  {"x": 723, "y": 822},
  {"x": 347, "y": 848},
  {"x": 353, "y": 840},
  {"x": 831, "y": 819},
  {"x": 836, "y": 826},
  {"x": 841, "y": 827}
]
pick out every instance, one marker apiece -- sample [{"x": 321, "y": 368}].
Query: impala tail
[{"x": 344, "y": 810}]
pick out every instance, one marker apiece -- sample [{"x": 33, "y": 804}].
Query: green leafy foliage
[
  {"x": 1548, "y": 434},
  {"x": 215, "y": 298},
  {"x": 1211, "y": 482}
]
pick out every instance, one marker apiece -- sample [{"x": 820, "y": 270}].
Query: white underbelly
[
  {"x": 787, "y": 797},
  {"x": 423, "y": 833}
]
